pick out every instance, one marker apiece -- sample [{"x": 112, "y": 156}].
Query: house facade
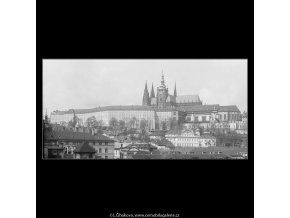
[{"x": 69, "y": 141}]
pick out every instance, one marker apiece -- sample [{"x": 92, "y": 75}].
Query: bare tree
[
  {"x": 121, "y": 124},
  {"x": 133, "y": 122},
  {"x": 91, "y": 122},
  {"x": 143, "y": 124},
  {"x": 113, "y": 122}
]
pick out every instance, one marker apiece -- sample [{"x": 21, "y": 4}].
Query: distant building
[
  {"x": 84, "y": 151},
  {"x": 245, "y": 117},
  {"x": 53, "y": 151},
  {"x": 242, "y": 126},
  {"x": 189, "y": 138},
  {"x": 164, "y": 145},
  {"x": 157, "y": 135},
  {"x": 157, "y": 110},
  {"x": 69, "y": 140},
  {"x": 163, "y": 99},
  {"x": 118, "y": 147},
  {"x": 129, "y": 151}
]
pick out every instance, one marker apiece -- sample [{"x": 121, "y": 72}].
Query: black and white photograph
[{"x": 145, "y": 109}]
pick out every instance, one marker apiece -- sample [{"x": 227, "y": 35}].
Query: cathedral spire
[
  {"x": 46, "y": 116},
  {"x": 152, "y": 94},
  {"x": 75, "y": 119},
  {"x": 175, "y": 92},
  {"x": 162, "y": 79},
  {"x": 146, "y": 100}
]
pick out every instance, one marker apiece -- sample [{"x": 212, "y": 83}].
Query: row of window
[
  {"x": 234, "y": 116},
  {"x": 186, "y": 145},
  {"x": 203, "y": 118},
  {"x": 220, "y": 116},
  {"x": 185, "y": 139},
  {"x": 98, "y": 143},
  {"x": 90, "y": 143},
  {"x": 100, "y": 150},
  {"x": 70, "y": 150}
]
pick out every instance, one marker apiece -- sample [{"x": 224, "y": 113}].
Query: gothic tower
[
  {"x": 162, "y": 93},
  {"x": 146, "y": 99},
  {"x": 46, "y": 120},
  {"x": 46, "y": 117},
  {"x": 152, "y": 94},
  {"x": 175, "y": 92}
]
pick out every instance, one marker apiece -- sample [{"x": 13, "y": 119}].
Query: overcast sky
[{"x": 91, "y": 83}]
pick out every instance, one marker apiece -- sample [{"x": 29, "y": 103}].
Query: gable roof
[
  {"x": 187, "y": 98},
  {"x": 230, "y": 108},
  {"x": 84, "y": 148},
  {"x": 165, "y": 142},
  {"x": 71, "y": 136},
  {"x": 106, "y": 108},
  {"x": 200, "y": 108},
  {"x": 170, "y": 98}
]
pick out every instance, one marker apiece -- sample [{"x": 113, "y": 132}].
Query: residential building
[
  {"x": 191, "y": 138},
  {"x": 84, "y": 151},
  {"x": 69, "y": 140}
]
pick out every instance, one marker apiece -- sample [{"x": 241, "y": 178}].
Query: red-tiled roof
[
  {"x": 68, "y": 135},
  {"x": 84, "y": 148}
]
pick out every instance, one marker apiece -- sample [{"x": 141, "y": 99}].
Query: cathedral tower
[
  {"x": 175, "y": 92},
  {"x": 152, "y": 94},
  {"x": 162, "y": 93},
  {"x": 146, "y": 99}
]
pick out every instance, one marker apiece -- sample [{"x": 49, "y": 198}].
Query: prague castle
[
  {"x": 156, "y": 110},
  {"x": 163, "y": 99}
]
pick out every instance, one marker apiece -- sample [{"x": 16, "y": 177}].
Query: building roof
[
  {"x": 207, "y": 137},
  {"x": 230, "y": 108},
  {"x": 170, "y": 98},
  {"x": 182, "y": 99},
  {"x": 71, "y": 136},
  {"x": 200, "y": 108},
  {"x": 84, "y": 148},
  {"x": 54, "y": 148},
  {"x": 170, "y": 108},
  {"x": 157, "y": 133},
  {"x": 245, "y": 115},
  {"x": 106, "y": 108},
  {"x": 165, "y": 142},
  {"x": 187, "y": 98}
]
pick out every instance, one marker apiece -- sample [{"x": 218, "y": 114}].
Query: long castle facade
[{"x": 156, "y": 110}]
